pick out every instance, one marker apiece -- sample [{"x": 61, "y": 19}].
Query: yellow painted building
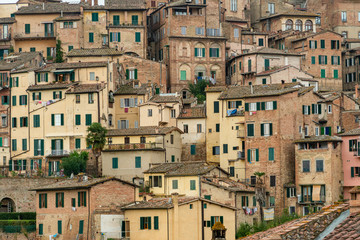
[
  {"x": 182, "y": 178},
  {"x": 52, "y": 108},
  {"x": 177, "y": 218},
  {"x": 131, "y": 151},
  {"x": 34, "y": 29}
]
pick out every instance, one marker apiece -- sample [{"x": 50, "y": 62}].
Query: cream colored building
[
  {"x": 284, "y": 74},
  {"x": 129, "y": 152},
  {"x": 192, "y": 121},
  {"x": 178, "y": 218},
  {"x": 161, "y": 110},
  {"x": 126, "y": 101},
  {"x": 52, "y": 108},
  {"x": 182, "y": 178}
]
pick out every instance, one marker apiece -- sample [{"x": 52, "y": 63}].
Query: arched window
[
  {"x": 184, "y": 72},
  {"x": 298, "y": 25},
  {"x": 289, "y": 24},
  {"x": 214, "y": 50},
  {"x": 308, "y": 25}
]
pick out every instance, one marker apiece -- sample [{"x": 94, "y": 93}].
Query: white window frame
[
  {"x": 312, "y": 44},
  {"x": 236, "y": 33},
  {"x": 306, "y": 112},
  {"x": 269, "y": 106},
  {"x": 183, "y": 30},
  {"x": 343, "y": 16},
  {"x": 57, "y": 118},
  {"x": 92, "y": 76},
  {"x": 266, "y": 129},
  {"x": 306, "y": 130},
  {"x": 233, "y": 5},
  {"x": 292, "y": 192},
  {"x": 199, "y": 31},
  {"x": 271, "y": 8},
  {"x": 4, "y": 121},
  {"x": 317, "y": 131},
  {"x": 252, "y": 107},
  {"x": 329, "y": 107}
]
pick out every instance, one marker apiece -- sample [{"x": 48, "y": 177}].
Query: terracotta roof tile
[
  {"x": 215, "y": 89},
  {"x": 48, "y": 8},
  {"x": 348, "y": 229},
  {"x": 125, "y": 4},
  {"x": 49, "y": 86},
  {"x": 353, "y": 132},
  {"x": 130, "y": 90},
  {"x": 85, "y": 88},
  {"x": 183, "y": 169},
  {"x": 165, "y": 98},
  {"x": 194, "y": 112},
  {"x": 268, "y": 72},
  {"x": 322, "y": 138},
  {"x": 158, "y": 203},
  {"x": 17, "y": 60},
  {"x": 151, "y": 130},
  {"x": 68, "y": 18},
  {"x": 57, "y": 66},
  {"x": 75, "y": 184},
  {"x": 7, "y": 20},
  {"x": 238, "y": 92},
  {"x": 94, "y": 52},
  {"x": 228, "y": 184}
]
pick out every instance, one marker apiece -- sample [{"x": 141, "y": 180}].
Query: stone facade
[{"x": 350, "y": 72}]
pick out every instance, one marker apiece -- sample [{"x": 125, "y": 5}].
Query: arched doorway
[{"x": 7, "y": 205}]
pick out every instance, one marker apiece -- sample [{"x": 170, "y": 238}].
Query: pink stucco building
[{"x": 351, "y": 160}]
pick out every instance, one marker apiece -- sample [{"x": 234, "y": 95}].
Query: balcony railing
[
  {"x": 133, "y": 146},
  {"x": 308, "y": 199},
  {"x": 57, "y": 152},
  {"x": 241, "y": 154},
  {"x": 126, "y": 24},
  {"x": 34, "y": 35},
  {"x": 5, "y": 38}
]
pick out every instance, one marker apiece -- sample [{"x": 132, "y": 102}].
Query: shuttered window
[
  {"x": 115, "y": 163},
  {"x": 192, "y": 185},
  {"x": 95, "y": 17},
  {"x": 137, "y": 37},
  {"x": 271, "y": 154},
  {"x": 36, "y": 121},
  {"x": 216, "y": 106},
  {"x": 91, "y": 37},
  {"x": 250, "y": 130},
  {"x": 77, "y": 119},
  {"x": 137, "y": 162},
  {"x": 88, "y": 119}
]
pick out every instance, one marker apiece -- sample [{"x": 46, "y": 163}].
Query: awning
[
  {"x": 316, "y": 193},
  {"x": 63, "y": 71}
]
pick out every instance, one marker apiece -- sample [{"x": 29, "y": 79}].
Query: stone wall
[
  {"x": 17, "y": 189},
  {"x": 16, "y": 236},
  {"x": 308, "y": 227}
]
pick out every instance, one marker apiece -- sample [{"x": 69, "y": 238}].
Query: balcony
[
  {"x": 240, "y": 133},
  {"x": 34, "y": 35},
  {"x": 57, "y": 153},
  {"x": 125, "y": 24},
  {"x": 305, "y": 199},
  {"x": 134, "y": 146},
  {"x": 241, "y": 154},
  {"x": 5, "y": 38}
]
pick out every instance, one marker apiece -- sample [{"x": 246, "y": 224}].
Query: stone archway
[{"x": 7, "y": 205}]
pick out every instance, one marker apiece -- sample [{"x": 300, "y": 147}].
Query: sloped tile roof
[
  {"x": 228, "y": 184},
  {"x": 268, "y": 72},
  {"x": 165, "y": 98},
  {"x": 130, "y": 90},
  {"x": 151, "y": 130},
  {"x": 353, "y": 132},
  {"x": 215, "y": 89},
  {"x": 194, "y": 112},
  {"x": 323, "y": 138},
  {"x": 48, "y": 8},
  {"x": 94, "y": 52},
  {"x": 266, "y": 50},
  {"x": 7, "y": 20},
  {"x": 17, "y": 60},
  {"x": 68, "y": 18},
  {"x": 49, "y": 86},
  {"x": 292, "y": 12},
  {"x": 237, "y": 92},
  {"x": 125, "y": 4},
  {"x": 183, "y": 169},
  {"x": 56, "y": 66},
  {"x": 85, "y": 88},
  {"x": 349, "y": 229},
  {"x": 75, "y": 184}
]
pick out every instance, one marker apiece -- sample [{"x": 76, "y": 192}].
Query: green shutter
[
  {"x": 352, "y": 172},
  {"x": 91, "y": 37},
  {"x": 322, "y": 43},
  {"x": 136, "y": 74},
  {"x": 149, "y": 222},
  {"x": 313, "y": 61},
  {"x": 196, "y": 52},
  {"x": 84, "y": 199},
  {"x": 274, "y": 105},
  {"x": 137, "y": 37},
  {"x": 271, "y": 129},
  {"x": 62, "y": 199},
  {"x": 141, "y": 223},
  {"x": 203, "y": 52},
  {"x": 39, "y": 200},
  {"x": 41, "y": 229},
  {"x": 1, "y": 143},
  {"x": 212, "y": 221},
  {"x": 14, "y": 100},
  {"x": 42, "y": 147},
  {"x": 62, "y": 119},
  {"x": 267, "y": 64},
  {"x": 315, "y": 44},
  {"x": 115, "y": 163},
  {"x": 36, "y": 143},
  {"x": 262, "y": 129},
  {"x": 216, "y": 107},
  {"x": 323, "y": 73},
  {"x": 249, "y": 155},
  {"x": 111, "y": 37},
  {"x": 257, "y": 154},
  {"x": 78, "y": 199},
  {"x": 156, "y": 222},
  {"x": 137, "y": 162},
  {"x": 81, "y": 227},
  {"x": 258, "y": 107},
  {"x": 336, "y": 74},
  {"x": 325, "y": 59},
  {"x": 77, "y": 119},
  {"x": 246, "y": 107},
  {"x": 56, "y": 200},
  {"x": 271, "y": 154},
  {"x": 183, "y": 75},
  {"x": 27, "y": 28},
  {"x": 127, "y": 74},
  {"x": 88, "y": 119},
  {"x": 77, "y": 143},
  {"x": 45, "y": 200},
  {"x": 59, "y": 227}
]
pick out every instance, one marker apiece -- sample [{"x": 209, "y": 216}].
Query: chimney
[
  {"x": 251, "y": 89},
  {"x": 62, "y": 13},
  {"x": 43, "y": 6},
  {"x": 356, "y": 91},
  {"x": 156, "y": 130},
  {"x": 175, "y": 201}
]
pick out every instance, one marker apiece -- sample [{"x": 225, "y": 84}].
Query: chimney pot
[{"x": 356, "y": 91}]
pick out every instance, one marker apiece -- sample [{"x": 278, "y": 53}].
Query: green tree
[
  {"x": 198, "y": 89},
  {"x": 75, "y": 163},
  {"x": 96, "y": 139},
  {"x": 59, "y": 52}
]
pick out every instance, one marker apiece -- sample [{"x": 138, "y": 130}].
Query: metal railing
[
  {"x": 133, "y": 146},
  {"x": 5, "y": 38},
  {"x": 57, "y": 152},
  {"x": 126, "y": 24},
  {"x": 34, "y": 35},
  {"x": 241, "y": 154}
]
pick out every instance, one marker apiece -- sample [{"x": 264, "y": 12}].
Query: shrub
[
  {"x": 244, "y": 230},
  {"x": 18, "y": 216}
]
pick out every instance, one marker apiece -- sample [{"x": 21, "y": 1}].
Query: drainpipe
[
  {"x": 202, "y": 221},
  {"x": 167, "y": 221},
  {"x": 98, "y": 110},
  {"x": 88, "y": 226}
]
